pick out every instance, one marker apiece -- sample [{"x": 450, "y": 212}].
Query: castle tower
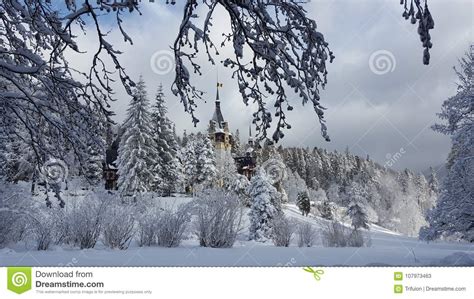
[{"x": 219, "y": 128}]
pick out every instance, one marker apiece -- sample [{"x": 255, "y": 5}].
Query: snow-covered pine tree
[
  {"x": 357, "y": 198},
  {"x": 358, "y": 216},
  {"x": 263, "y": 200},
  {"x": 453, "y": 215},
  {"x": 189, "y": 164},
  {"x": 94, "y": 168},
  {"x": 303, "y": 203},
  {"x": 226, "y": 171},
  {"x": 205, "y": 161},
  {"x": 237, "y": 145},
  {"x": 137, "y": 153},
  {"x": 167, "y": 169},
  {"x": 433, "y": 182},
  {"x": 184, "y": 140},
  {"x": 275, "y": 168}
]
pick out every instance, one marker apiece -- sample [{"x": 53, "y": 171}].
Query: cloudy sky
[{"x": 384, "y": 113}]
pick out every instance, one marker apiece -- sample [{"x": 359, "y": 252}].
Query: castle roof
[{"x": 217, "y": 117}]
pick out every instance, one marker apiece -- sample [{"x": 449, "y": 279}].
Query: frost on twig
[{"x": 285, "y": 52}]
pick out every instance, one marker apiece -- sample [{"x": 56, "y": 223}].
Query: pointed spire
[
  {"x": 217, "y": 117},
  {"x": 250, "y": 136}
]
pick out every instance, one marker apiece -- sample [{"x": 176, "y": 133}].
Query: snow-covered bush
[
  {"x": 240, "y": 187},
  {"x": 356, "y": 239},
  {"x": 46, "y": 227},
  {"x": 336, "y": 234},
  {"x": 85, "y": 220},
  {"x": 306, "y": 234},
  {"x": 118, "y": 227},
  {"x": 282, "y": 231},
  {"x": 326, "y": 210},
  {"x": 15, "y": 213},
  {"x": 147, "y": 224},
  {"x": 172, "y": 225},
  {"x": 219, "y": 217}
]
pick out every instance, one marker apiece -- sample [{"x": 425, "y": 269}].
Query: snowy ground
[{"x": 387, "y": 248}]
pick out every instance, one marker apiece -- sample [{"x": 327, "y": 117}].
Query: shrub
[
  {"x": 85, "y": 221},
  {"x": 282, "y": 231},
  {"x": 337, "y": 235},
  {"x": 219, "y": 217},
  {"x": 306, "y": 235},
  {"x": 15, "y": 213},
  {"x": 45, "y": 227},
  {"x": 326, "y": 210},
  {"x": 118, "y": 226},
  {"x": 171, "y": 226},
  {"x": 147, "y": 224}
]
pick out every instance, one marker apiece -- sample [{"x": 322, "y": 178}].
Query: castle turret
[{"x": 219, "y": 128}]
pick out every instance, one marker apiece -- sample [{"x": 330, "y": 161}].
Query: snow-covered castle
[
  {"x": 224, "y": 144},
  {"x": 219, "y": 130}
]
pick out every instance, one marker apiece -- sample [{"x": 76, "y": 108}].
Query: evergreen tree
[
  {"x": 184, "y": 140},
  {"x": 167, "y": 169},
  {"x": 263, "y": 206},
  {"x": 358, "y": 216},
  {"x": 453, "y": 215},
  {"x": 237, "y": 145},
  {"x": 433, "y": 182},
  {"x": 303, "y": 203},
  {"x": 205, "y": 161},
  {"x": 189, "y": 164},
  {"x": 226, "y": 171},
  {"x": 93, "y": 171},
  {"x": 137, "y": 155}
]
